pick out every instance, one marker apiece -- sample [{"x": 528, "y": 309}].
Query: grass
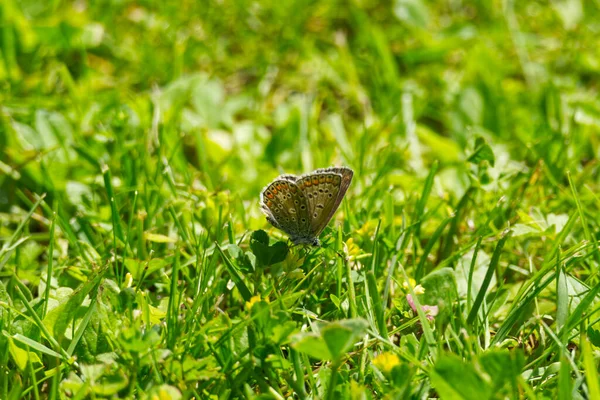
[{"x": 135, "y": 138}]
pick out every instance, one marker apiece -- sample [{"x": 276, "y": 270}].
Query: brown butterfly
[{"x": 302, "y": 206}]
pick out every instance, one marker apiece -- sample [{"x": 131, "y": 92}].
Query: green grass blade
[
  {"x": 235, "y": 276},
  {"x": 488, "y": 278},
  {"x": 376, "y": 302},
  {"x": 420, "y": 271},
  {"x": 34, "y": 345},
  {"x": 590, "y": 367}
]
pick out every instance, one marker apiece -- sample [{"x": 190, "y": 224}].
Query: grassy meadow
[{"x": 135, "y": 139}]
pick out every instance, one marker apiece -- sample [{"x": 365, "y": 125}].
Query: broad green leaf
[
  {"x": 401, "y": 376},
  {"x": 594, "y": 336},
  {"x": 111, "y": 384},
  {"x": 440, "y": 289},
  {"x": 482, "y": 152},
  {"x": 502, "y": 366},
  {"x": 313, "y": 345},
  {"x": 562, "y": 297},
  {"x": 60, "y": 317},
  {"x": 19, "y": 355},
  {"x": 267, "y": 255},
  {"x": 455, "y": 379},
  {"x": 282, "y": 331},
  {"x": 335, "y": 339}
]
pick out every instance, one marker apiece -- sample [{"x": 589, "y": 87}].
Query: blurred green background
[
  {"x": 230, "y": 92},
  {"x": 152, "y": 126}
]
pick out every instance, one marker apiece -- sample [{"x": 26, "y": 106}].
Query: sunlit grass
[{"x": 135, "y": 139}]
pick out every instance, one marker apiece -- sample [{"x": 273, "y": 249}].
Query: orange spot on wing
[
  {"x": 307, "y": 182},
  {"x": 315, "y": 180},
  {"x": 270, "y": 195}
]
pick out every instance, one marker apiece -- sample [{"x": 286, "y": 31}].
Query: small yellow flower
[
  {"x": 412, "y": 283},
  {"x": 386, "y": 361},
  {"x": 352, "y": 248},
  {"x": 367, "y": 229},
  {"x": 164, "y": 395},
  {"x": 128, "y": 280},
  {"x": 418, "y": 289},
  {"x": 254, "y": 300}
]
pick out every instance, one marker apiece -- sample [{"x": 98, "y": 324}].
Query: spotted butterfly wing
[
  {"x": 324, "y": 189},
  {"x": 303, "y": 206},
  {"x": 285, "y": 206}
]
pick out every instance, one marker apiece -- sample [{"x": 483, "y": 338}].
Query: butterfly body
[{"x": 303, "y": 206}]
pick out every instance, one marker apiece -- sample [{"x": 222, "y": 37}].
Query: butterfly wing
[
  {"x": 285, "y": 206},
  {"x": 324, "y": 190}
]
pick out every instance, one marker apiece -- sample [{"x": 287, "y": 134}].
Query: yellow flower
[
  {"x": 128, "y": 280},
  {"x": 418, "y": 289},
  {"x": 367, "y": 229},
  {"x": 352, "y": 248},
  {"x": 412, "y": 283},
  {"x": 254, "y": 300},
  {"x": 386, "y": 361},
  {"x": 163, "y": 395}
]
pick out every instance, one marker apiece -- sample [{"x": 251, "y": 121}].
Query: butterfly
[{"x": 302, "y": 206}]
